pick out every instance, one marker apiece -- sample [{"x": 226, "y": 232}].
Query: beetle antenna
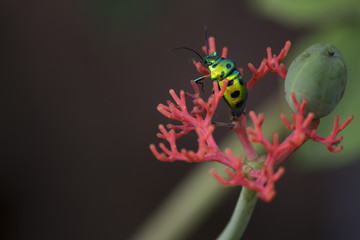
[
  {"x": 190, "y": 49},
  {"x": 206, "y": 40}
]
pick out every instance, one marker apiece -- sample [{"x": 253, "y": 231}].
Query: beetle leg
[{"x": 199, "y": 81}]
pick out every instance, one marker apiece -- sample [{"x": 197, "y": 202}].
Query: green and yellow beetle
[
  {"x": 236, "y": 91},
  {"x": 222, "y": 68}
]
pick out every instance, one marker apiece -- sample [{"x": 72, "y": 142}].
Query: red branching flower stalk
[
  {"x": 191, "y": 121},
  {"x": 270, "y": 63},
  {"x": 199, "y": 119}
]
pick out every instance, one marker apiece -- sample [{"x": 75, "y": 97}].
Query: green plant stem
[
  {"x": 241, "y": 215},
  {"x": 247, "y": 199}
]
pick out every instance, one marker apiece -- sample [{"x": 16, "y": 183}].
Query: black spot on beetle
[
  {"x": 228, "y": 65},
  {"x": 239, "y": 104},
  {"x": 230, "y": 83},
  {"x": 222, "y": 74},
  {"x": 214, "y": 66},
  {"x": 235, "y": 94}
]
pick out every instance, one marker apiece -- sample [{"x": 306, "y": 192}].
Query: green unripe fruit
[{"x": 318, "y": 75}]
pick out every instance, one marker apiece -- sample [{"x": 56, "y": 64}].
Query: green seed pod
[{"x": 318, "y": 75}]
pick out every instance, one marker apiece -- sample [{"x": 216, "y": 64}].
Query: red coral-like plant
[{"x": 241, "y": 171}]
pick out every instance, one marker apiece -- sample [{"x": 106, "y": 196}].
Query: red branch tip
[
  {"x": 272, "y": 63},
  {"x": 332, "y": 140}
]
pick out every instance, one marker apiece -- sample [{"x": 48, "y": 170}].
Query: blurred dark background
[{"x": 80, "y": 82}]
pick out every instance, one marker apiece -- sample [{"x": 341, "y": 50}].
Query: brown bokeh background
[{"x": 80, "y": 82}]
